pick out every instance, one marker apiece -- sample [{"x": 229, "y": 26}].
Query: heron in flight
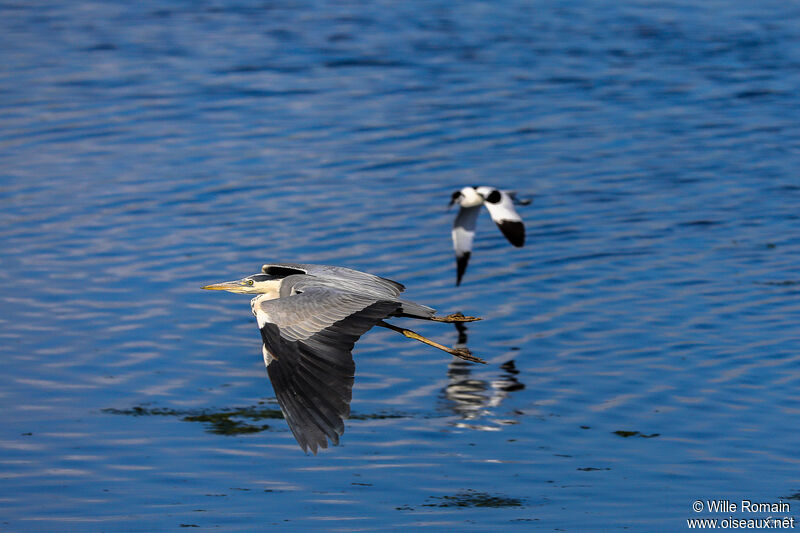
[
  {"x": 310, "y": 316},
  {"x": 500, "y": 205}
]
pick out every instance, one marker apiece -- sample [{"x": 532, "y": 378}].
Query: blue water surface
[{"x": 643, "y": 347}]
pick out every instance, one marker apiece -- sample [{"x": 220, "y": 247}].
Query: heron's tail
[{"x": 415, "y": 310}]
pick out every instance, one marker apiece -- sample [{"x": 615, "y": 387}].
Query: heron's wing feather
[
  {"x": 463, "y": 235},
  {"x": 310, "y": 336},
  {"x": 501, "y": 207},
  {"x": 347, "y": 278}
]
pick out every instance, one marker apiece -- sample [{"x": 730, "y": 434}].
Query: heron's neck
[{"x": 270, "y": 290}]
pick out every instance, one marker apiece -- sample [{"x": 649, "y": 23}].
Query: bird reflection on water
[{"x": 474, "y": 400}]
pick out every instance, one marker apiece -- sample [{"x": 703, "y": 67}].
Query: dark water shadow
[
  {"x": 626, "y": 434},
  {"x": 470, "y": 498},
  {"x": 234, "y": 421},
  {"x": 226, "y": 421}
]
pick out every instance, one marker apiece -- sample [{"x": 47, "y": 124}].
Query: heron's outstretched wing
[
  {"x": 501, "y": 207},
  {"x": 463, "y": 234},
  {"x": 310, "y": 336}
]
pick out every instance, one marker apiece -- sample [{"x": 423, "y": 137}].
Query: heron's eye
[{"x": 250, "y": 282}]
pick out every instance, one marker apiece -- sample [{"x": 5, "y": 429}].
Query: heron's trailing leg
[
  {"x": 455, "y": 317},
  {"x": 463, "y": 353}
]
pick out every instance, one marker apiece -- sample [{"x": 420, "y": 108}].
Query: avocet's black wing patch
[
  {"x": 461, "y": 266},
  {"x": 514, "y": 230}
]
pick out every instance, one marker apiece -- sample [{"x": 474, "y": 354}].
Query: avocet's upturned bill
[
  {"x": 501, "y": 208},
  {"x": 310, "y": 316}
]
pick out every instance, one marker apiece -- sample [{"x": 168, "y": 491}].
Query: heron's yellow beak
[{"x": 233, "y": 286}]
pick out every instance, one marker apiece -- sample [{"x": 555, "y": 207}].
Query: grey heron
[
  {"x": 500, "y": 205},
  {"x": 310, "y": 317}
]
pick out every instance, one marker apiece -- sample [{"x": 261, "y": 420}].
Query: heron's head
[{"x": 256, "y": 284}]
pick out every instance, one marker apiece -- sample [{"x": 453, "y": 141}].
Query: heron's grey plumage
[
  {"x": 310, "y": 335},
  {"x": 347, "y": 278},
  {"x": 310, "y": 317}
]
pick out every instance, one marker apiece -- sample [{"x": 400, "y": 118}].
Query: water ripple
[{"x": 151, "y": 149}]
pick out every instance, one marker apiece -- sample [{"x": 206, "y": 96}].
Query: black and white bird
[
  {"x": 310, "y": 317},
  {"x": 501, "y": 207}
]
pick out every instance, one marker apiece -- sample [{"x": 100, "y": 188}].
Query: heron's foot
[
  {"x": 463, "y": 353},
  {"x": 455, "y": 317},
  {"x": 466, "y": 355}
]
